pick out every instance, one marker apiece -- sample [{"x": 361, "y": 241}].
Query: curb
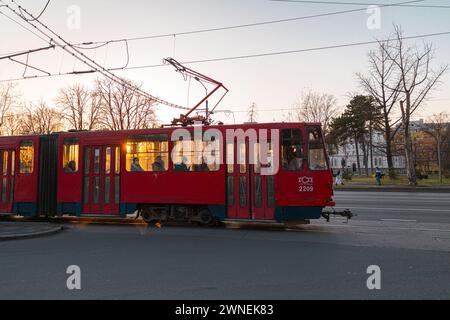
[{"x": 18, "y": 236}]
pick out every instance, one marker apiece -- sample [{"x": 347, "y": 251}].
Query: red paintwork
[
  {"x": 208, "y": 188},
  {"x": 102, "y": 206},
  {"x": 194, "y": 187},
  {"x": 25, "y": 185},
  {"x": 141, "y": 187}
]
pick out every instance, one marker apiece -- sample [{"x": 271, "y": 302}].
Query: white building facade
[{"x": 345, "y": 157}]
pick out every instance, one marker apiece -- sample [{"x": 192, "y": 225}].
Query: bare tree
[
  {"x": 79, "y": 107},
  {"x": 13, "y": 124},
  {"x": 41, "y": 119},
  {"x": 122, "y": 107},
  {"x": 316, "y": 107},
  {"x": 382, "y": 83},
  {"x": 9, "y": 100},
  {"x": 252, "y": 113},
  {"x": 417, "y": 79},
  {"x": 439, "y": 127}
]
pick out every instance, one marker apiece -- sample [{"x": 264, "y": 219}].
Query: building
[
  {"x": 424, "y": 147},
  {"x": 345, "y": 157}
]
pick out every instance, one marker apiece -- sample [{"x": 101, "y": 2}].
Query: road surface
[{"x": 406, "y": 234}]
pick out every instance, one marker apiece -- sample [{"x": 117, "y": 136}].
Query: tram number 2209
[{"x": 306, "y": 189}]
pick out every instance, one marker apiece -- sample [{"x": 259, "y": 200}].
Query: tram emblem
[
  {"x": 306, "y": 181},
  {"x": 305, "y": 184}
]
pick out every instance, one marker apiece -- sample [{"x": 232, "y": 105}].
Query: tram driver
[{"x": 296, "y": 163}]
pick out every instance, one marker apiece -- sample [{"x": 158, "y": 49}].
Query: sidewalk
[{"x": 11, "y": 230}]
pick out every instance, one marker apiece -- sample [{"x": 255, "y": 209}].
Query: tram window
[
  {"x": 316, "y": 157},
  {"x": 259, "y": 158},
  {"x": 230, "y": 190},
  {"x": 116, "y": 189},
  {"x": 117, "y": 160},
  {"x": 26, "y": 157},
  {"x": 242, "y": 191},
  {"x": 147, "y": 156},
  {"x": 230, "y": 157},
  {"x": 86, "y": 189},
  {"x": 11, "y": 187},
  {"x": 5, "y": 163},
  {"x": 96, "y": 189},
  {"x": 87, "y": 160},
  {"x": 257, "y": 191},
  {"x": 107, "y": 188},
  {"x": 108, "y": 160},
  {"x": 270, "y": 191},
  {"x": 256, "y": 158},
  {"x": 242, "y": 158},
  {"x": 70, "y": 157},
  {"x": 13, "y": 162},
  {"x": 196, "y": 156},
  {"x": 211, "y": 154},
  {"x": 292, "y": 150},
  {"x": 4, "y": 184},
  {"x": 96, "y": 160}
]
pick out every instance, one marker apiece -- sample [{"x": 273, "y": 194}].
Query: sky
[{"x": 275, "y": 83}]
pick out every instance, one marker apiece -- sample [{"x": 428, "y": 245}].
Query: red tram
[{"x": 103, "y": 174}]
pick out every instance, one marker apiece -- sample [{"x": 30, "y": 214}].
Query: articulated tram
[{"x": 251, "y": 172}]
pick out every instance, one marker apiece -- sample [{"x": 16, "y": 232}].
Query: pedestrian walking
[
  {"x": 339, "y": 178},
  {"x": 378, "y": 176}
]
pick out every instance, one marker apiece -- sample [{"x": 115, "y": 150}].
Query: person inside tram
[
  {"x": 296, "y": 163},
  {"x": 158, "y": 165},
  {"x": 70, "y": 167},
  {"x": 182, "y": 165},
  {"x": 135, "y": 166},
  {"x": 202, "y": 166}
]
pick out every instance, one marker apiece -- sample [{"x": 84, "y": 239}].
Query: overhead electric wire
[
  {"x": 40, "y": 14},
  {"x": 362, "y": 4},
  {"x": 95, "y": 67},
  {"x": 28, "y": 66},
  {"x": 293, "y": 51},
  {"x": 21, "y": 25},
  {"x": 248, "y": 56},
  {"x": 21, "y": 53},
  {"x": 247, "y": 25}
]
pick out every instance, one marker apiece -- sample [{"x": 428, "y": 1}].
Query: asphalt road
[
  {"x": 317, "y": 261},
  {"x": 421, "y": 207}
]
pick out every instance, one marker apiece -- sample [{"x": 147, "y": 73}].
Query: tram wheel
[
  {"x": 148, "y": 216},
  {"x": 206, "y": 217}
]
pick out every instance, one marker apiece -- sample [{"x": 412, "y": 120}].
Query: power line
[
  {"x": 40, "y": 14},
  {"x": 21, "y": 53},
  {"x": 241, "y": 25},
  {"x": 362, "y": 4},
  {"x": 95, "y": 67},
  {"x": 21, "y": 25},
  {"x": 262, "y": 110},
  {"x": 353, "y": 44},
  {"x": 293, "y": 51}
]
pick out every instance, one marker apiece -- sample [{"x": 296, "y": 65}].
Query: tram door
[
  {"x": 101, "y": 180},
  {"x": 250, "y": 194},
  {"x": 7, "y": 168},
  {"x": 263, "y": 182}
]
